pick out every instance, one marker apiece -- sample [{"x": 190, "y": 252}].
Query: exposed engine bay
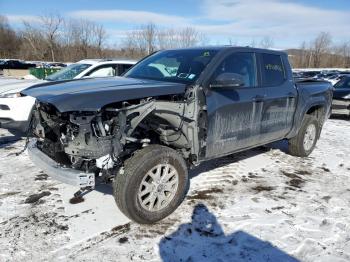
[{"x": 99, "y": 142}]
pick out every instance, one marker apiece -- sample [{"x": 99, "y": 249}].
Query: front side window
[
  {"x": 241, "y": 66},
  {"x": 68, "y": 72},
  {"x": 184, "y": 66},
  {"x": 272, "y": 70}
]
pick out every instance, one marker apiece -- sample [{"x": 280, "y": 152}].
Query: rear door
[
  {"x": 280, "y": 96},
  {"x": 234, "y": 112}
]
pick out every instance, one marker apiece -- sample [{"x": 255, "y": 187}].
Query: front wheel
[
  {"x": 305, "y": 141},
  {"x": 152, "y": 185}
]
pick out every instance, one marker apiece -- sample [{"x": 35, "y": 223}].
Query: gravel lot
[{"x": 259, "y": 205}]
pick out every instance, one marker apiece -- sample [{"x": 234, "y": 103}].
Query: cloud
[
  {"x": 16, "y": 19},
  {"x": 132, "y": 17},
  {"x": 284, "y": 21},
  {"x": 276, "y": 18},
  {"x": 242, "y": 21}
]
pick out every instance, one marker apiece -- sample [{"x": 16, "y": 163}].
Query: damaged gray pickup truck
[{"x": 171, "y": 111}]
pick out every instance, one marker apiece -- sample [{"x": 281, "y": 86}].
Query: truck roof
[{"x": 230, "y": 47}]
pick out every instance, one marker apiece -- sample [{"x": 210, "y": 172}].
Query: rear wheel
[
  {"x": 305, "y": 141},
  {"x": 152, "y": 185}
]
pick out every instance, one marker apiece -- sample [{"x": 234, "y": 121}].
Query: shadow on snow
[
  {"x": 204, "y": 240},
  {"x": 7, "y": 140}
]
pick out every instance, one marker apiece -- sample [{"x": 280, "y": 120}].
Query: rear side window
[
  {"x": 102, "y": 71},
  {"x": 272, "y": 70}
]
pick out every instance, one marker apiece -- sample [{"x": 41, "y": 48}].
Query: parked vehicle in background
[
  {"x": 297, "y": 75},
  {"x": 15, "y": 110},
  {"x": 92, "y": 68},
  {"x": 341, "y": 97},
  {"x": 14, "y": 64},
  {"x": 335, "y": 79},
  {"x": 309, "y": 74},
  {"x": 173, "y": 110}
]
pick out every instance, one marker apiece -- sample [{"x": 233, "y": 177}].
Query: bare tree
[
  {"x": 189, "y": 36},
  {"x": 9, "y": 40},
  {"x": 148, "y": 34},
  {"x": 149, "y": 38},
  {"x": 252, "y": 43},
  {"x": 99, "y": 38},
  {"x": 142, "y": 40},
  {"x": 320, "y": 46},
  {"x": 34, "y": 46},
  {"x": 266, "y": 42},
  {"x": 85, "y": 39},
  {"x": 344, "y": 53},
  {"x": 304, "y": 56},
  {"x": 179, "y": 38},
  {"x": 50, "y": 25},
  {"x": 167, "y": 39},
  {"x": 232, "y": 42}
]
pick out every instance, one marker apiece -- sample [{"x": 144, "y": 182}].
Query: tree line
[
  {"x": 55, "y": 38},
  {"x": 52, "y": 38},
  {"x": 321, "y": 52}
]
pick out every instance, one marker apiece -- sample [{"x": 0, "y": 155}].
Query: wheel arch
[
  {"x": 165, "y": 122},
  {"x": 316, "y": 108}
]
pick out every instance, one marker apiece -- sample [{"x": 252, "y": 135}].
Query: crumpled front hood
[
  {"x": 93, "y": 94},
  {"x": 13, "y": 85}
]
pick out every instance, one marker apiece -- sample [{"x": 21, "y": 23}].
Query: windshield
[
  {"x": 68, "y": 73},
  {"x": 184, "y": 66},
  {"x": 342, "y": 83}
]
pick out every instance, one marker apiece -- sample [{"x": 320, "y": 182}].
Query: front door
[{"x": 234, "y": 112}]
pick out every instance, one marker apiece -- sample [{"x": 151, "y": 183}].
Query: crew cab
[
  {"x": 15, "y": 110},
  {"x": 170, "y": 112}
]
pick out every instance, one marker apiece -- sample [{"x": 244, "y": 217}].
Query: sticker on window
[
  {"x": 273, "y": 67},
  {"x": 182, "y": 75},
  {"x": 191, "y": 76}
]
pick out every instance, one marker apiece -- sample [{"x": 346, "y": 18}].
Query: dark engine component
[
  {"x": 87, "y": 137},
  {"x": 77, "y": 139},
  {"x": 83, "y": 142}
]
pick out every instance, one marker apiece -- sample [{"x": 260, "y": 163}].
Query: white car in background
[{"x": 16, "y": 110}]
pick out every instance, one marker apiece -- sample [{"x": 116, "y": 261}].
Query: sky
[{"x": 239, "y": 22}]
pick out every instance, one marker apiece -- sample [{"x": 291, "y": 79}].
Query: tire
[
  {"x": 129, "y": 186},
  {"x": 304, "y": 142}
]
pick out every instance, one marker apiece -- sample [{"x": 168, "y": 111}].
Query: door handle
[
  {"x": 259, "y": 98},
  {"x": 291, "y": 95}
]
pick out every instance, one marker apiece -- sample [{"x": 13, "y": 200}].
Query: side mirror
[{"x": 228, "y": 80}]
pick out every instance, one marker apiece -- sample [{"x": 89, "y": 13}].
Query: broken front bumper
[{"x": 57, "y": 171}]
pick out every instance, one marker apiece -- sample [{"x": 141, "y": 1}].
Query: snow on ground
[{"x": 259, "y": 205}]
